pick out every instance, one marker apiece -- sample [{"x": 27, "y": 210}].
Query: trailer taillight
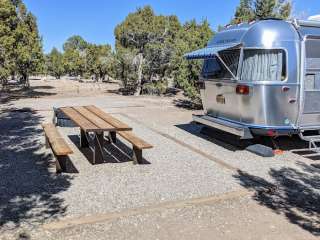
[
  {"x": 243, "y": 89},
  {"x": 271, "y": 133}
]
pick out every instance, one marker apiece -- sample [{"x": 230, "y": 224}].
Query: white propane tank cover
[{"x": 314, "y": 18}]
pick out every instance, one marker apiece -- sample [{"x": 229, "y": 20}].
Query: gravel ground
[
  {"x": 174, "y": 173},
  {"x": 181, "y": 128},
  {"x": 184, "y": 165},
  {"x": 228, "y": 219}
]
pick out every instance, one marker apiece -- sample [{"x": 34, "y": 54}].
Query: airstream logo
[{"x": 224, "y": 41}]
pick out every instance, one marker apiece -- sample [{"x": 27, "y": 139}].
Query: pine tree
[
  {"x": 265, "y": 8},
  {"x": 244, "y": 12},
  {"x": 260, "y": 9},
  {"x": 284, "y": 9}
]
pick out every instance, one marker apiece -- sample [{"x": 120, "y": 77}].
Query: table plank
[
  {"x": 96, "y": 120},
  {"x": 108, "y": 118},
  {"x": 80, "y": 120}
]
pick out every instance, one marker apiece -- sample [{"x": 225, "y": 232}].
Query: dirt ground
[{"x": 196, "y": 186}]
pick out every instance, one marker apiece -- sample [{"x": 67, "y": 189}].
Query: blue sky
[{"x": 95, "y": 20}]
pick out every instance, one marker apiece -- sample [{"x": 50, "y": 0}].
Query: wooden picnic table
[{"x": 95, "y": 122}]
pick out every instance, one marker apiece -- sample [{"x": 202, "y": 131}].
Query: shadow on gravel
[
  {"x": 27, "y": 188},
  {"x": 292, "y": 193},
  {"x": 222, "y": 139},
  {"x": 297, "y": 146},
  {"x": 113, "y": 153},
  {"x": 17, "y": 92},
  {"x": 122, "y": 91},
  {"x": 187, "y": 104},
  {"x": 233, "y": 143}
]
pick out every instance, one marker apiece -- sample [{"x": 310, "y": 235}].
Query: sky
[{"x": 95, "y": 20}]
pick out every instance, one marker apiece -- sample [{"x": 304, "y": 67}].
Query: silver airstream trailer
[{"x": 262, "y": 78}]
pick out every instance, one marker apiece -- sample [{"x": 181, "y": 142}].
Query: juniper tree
[
  {"x": 8, "y": 24},
  {"x": 74, "y": 56},
  {"x": 54, "y": 62},
  {"x": 74, "y": 62},
  {"x": 158, "y": 44},
  {"x": 28, "y": 52},
  {"x": 20, "y": 43},
  {"x": 75, "y": 42},
  {"x": 192, "y": 36},
  {"x": 99, "y": 60},
  {"x": 134, "y": 33}
]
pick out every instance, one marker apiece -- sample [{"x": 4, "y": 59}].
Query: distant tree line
[
  {"x": 148, "y": 53},
  {"x": 80, "y": 59}
]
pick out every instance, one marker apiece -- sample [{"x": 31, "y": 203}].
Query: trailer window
[
  {"x": 312, "y": 81},
  {"x": 231, "y": 59},
  {"x": 214, "y": 68},
  {"x": 264, "y": 65},
  {"x": 313, "y": 55}
]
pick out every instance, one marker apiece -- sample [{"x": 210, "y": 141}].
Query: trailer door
[{"x": 311, "y": 86}]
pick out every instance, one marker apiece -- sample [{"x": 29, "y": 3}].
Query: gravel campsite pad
[{"x": 190, "y": 178}]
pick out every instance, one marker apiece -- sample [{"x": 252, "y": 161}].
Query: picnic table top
[{"x": 93, "y": 119}]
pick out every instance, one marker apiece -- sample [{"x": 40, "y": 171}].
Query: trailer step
[
  {"x": 312, "y": 140},
  {"x": 236, "y": 129}
]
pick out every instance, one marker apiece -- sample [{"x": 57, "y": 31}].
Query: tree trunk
[
  {"x": 139, "y": 80},
  {"x": 123, "y": 77},
  {"x": 27, "y": 82},
  {"x": 4, "y": 84}
]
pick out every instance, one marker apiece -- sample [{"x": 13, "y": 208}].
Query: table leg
[
  {"x": 137, "y": 155},
  {"x": 61, "y": 164},
  {"x": 113, "y": 137},
  {"x": 83, "y": 139},
  {"x": 47, "y": 142},
  {"x": 98, "y": 148}
]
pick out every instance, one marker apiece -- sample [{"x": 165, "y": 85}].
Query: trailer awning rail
[{"x": 210, "y": 51}]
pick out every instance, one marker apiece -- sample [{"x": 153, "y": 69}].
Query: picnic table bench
[
  {"x": 59, "y": 147},
  {"x": 93, "y": 123}
]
